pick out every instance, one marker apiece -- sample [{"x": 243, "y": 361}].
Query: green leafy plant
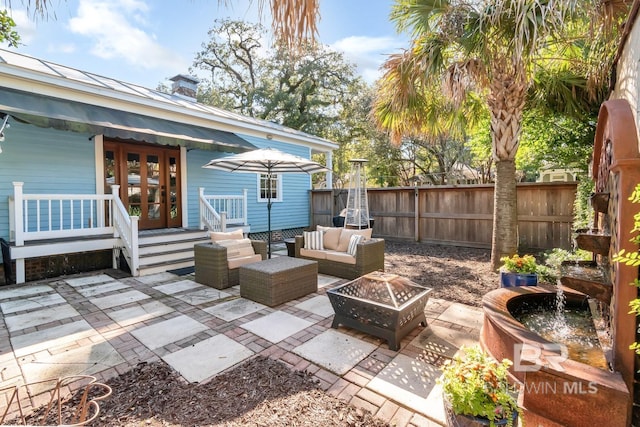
[
  {"x": 554, "y": 258},
  {"x": 525, "y": 264},
  {"x": 477, "y": 385},
  {"x": 633, "y": 259}
]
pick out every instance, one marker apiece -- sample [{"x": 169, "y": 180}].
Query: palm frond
[{"x": 295, "y": 21}]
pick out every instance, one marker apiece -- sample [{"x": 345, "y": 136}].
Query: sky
[{"x": 148, "y": 41}]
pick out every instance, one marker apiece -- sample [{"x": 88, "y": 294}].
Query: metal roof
[{"x": 101, "y": 86}]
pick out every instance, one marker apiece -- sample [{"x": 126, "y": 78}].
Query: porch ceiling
[{"x": 48, "y": 112}]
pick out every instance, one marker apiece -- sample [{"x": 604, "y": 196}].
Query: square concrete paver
[
  {"x": 444, "y": 341},
  {"x": 335, "y": 351},
  {"x": 132, "y": 315},
  {"x": 89, "y": 280},
  {"x": 168, "y": 331},
  {"x": 39, "y": 317},
  {"x": 319, "y": 305},
  {"x": 175, "y": 287},
  {"x": 235, "y": 309},
  {"x": 24, "y": 290},
  {"x": 51, "y": 337},
  {"x": 119, "y": 299},
  {"x": 101, "y": 289},
  {"x": 202, "y": 296},
  {"x": 156, "y": 278},
  {"x": 276, "y": 326},
  {"x": 207, "y": 358},
  {"x": 412, "y": 383},
  {"x": 85, "y": 360},
  {"x": 32, "y": 303},
  {"x": 463, "y": 315}
]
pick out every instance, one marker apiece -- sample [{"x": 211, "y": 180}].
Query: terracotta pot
[{"x": 509, "y": 280}]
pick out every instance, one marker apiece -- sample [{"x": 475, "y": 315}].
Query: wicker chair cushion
[
  {"x": 330, "y": 236},
  {"x": 310, "y": 253},
  {"x": 238, "y": 261},
  {"x": 345, "y": 237},
  {"x": 313, "y": 240},
  {"x": 216, "y": 236},
  {"x": 354, "y": 241},
  {"x": 342, "y": 257}
]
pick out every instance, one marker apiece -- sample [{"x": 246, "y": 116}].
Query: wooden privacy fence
[{"x": 459, "y": 215}]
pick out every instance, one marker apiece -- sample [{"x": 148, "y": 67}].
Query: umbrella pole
[{"x": 269, "y": 211}]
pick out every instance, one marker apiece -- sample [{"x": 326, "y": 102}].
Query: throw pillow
[
  {"x": 313, "y": 240},
  {"x": 330, "y": 236},
  {"x": 237, "y": 247},
  {"x": 346, "y": 234},
  {"x": 353, "y": 243}
]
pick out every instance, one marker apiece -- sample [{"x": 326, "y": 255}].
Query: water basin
[{"x": 573, "y": 326}]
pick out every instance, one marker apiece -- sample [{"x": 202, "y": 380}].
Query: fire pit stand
[{"x": 384, "y": 305}]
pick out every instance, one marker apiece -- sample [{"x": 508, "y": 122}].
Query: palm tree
[{"x": 492, "y": 49}]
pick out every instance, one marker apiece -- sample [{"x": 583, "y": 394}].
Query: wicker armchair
[
  {"x": 369, "y": 257},
  {"x": 211, "y": 264}
]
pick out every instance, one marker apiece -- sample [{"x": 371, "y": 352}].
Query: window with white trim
[{"x": 263, "y": 188}]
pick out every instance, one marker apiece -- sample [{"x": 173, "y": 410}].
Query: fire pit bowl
[{"x": 384, "y": 305}]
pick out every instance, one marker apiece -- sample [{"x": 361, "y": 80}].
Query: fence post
[
  {"x": 416, "y": 214},
  {"x": 135, "y": 250}
]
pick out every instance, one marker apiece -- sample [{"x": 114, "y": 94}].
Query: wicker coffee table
[
  {"x": 381, "y": 304},
  {"x": 278, "y": 280}
]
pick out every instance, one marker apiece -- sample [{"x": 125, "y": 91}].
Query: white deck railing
[
  {"x": 52, "y": 216},
  {"x": 67, "y": 216},
  {"x": 218, "y": 212},
  {"x": 126, "y": 228},
  {"x": 35, "y": 217}
]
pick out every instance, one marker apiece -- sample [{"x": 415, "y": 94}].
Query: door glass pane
[
  {"x": 109, "y": 170},
  {"x": 154, "y": 194},
  {"x": 173, "y": 188},
  {"x": 133, "y": 184}
]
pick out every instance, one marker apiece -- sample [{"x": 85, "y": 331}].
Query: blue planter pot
[{"x": 509, "y": 280}]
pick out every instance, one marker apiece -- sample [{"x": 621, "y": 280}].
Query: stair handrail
[
  {"x": 209, "y": 217},
  {"x": 126, "y": 229}
]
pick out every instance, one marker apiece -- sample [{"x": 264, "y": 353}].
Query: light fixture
[{"x": 4, "y": 126}]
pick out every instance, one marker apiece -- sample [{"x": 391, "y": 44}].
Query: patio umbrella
[{"x": 268, "y": 161}]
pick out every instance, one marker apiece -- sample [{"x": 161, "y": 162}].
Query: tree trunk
[
  {"x": 506, "y": 101},
  {"x": 504, "y": 240}
]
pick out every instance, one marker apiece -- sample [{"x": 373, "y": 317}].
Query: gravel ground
[{"x": 264, "y": 392}]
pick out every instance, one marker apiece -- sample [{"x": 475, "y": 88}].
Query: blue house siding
[
  {"x": 48, "y": 161},
  {"x": 291, "y": 212}
]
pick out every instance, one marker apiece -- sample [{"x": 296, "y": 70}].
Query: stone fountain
[{"x": 558, "y": 390}]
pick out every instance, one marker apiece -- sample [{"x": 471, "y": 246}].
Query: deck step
[{"x": 168, "y": 250}]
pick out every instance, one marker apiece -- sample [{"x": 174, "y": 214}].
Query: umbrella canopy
[{"x": 268, "y": 161}]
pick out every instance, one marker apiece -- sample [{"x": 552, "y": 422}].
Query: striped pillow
[
  {"x": 313, "y": 240},
  {"x": 353, "y": 243}
]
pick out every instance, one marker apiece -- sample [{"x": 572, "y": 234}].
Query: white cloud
[
  {"x": 24, "y": 26},
  {"x": 116, "y": 28},
  {"x": 61, "y": 48},
  {"x": 368, "y": 53}
]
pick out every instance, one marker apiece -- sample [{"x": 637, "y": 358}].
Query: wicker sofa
[
  {"x": 217, "y": 263},
  {"x": 334, "y": 260}
]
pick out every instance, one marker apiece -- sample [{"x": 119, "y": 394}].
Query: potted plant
[
  {"x": 476, "y": 391},
  {"x": 519, "y": 271}
]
